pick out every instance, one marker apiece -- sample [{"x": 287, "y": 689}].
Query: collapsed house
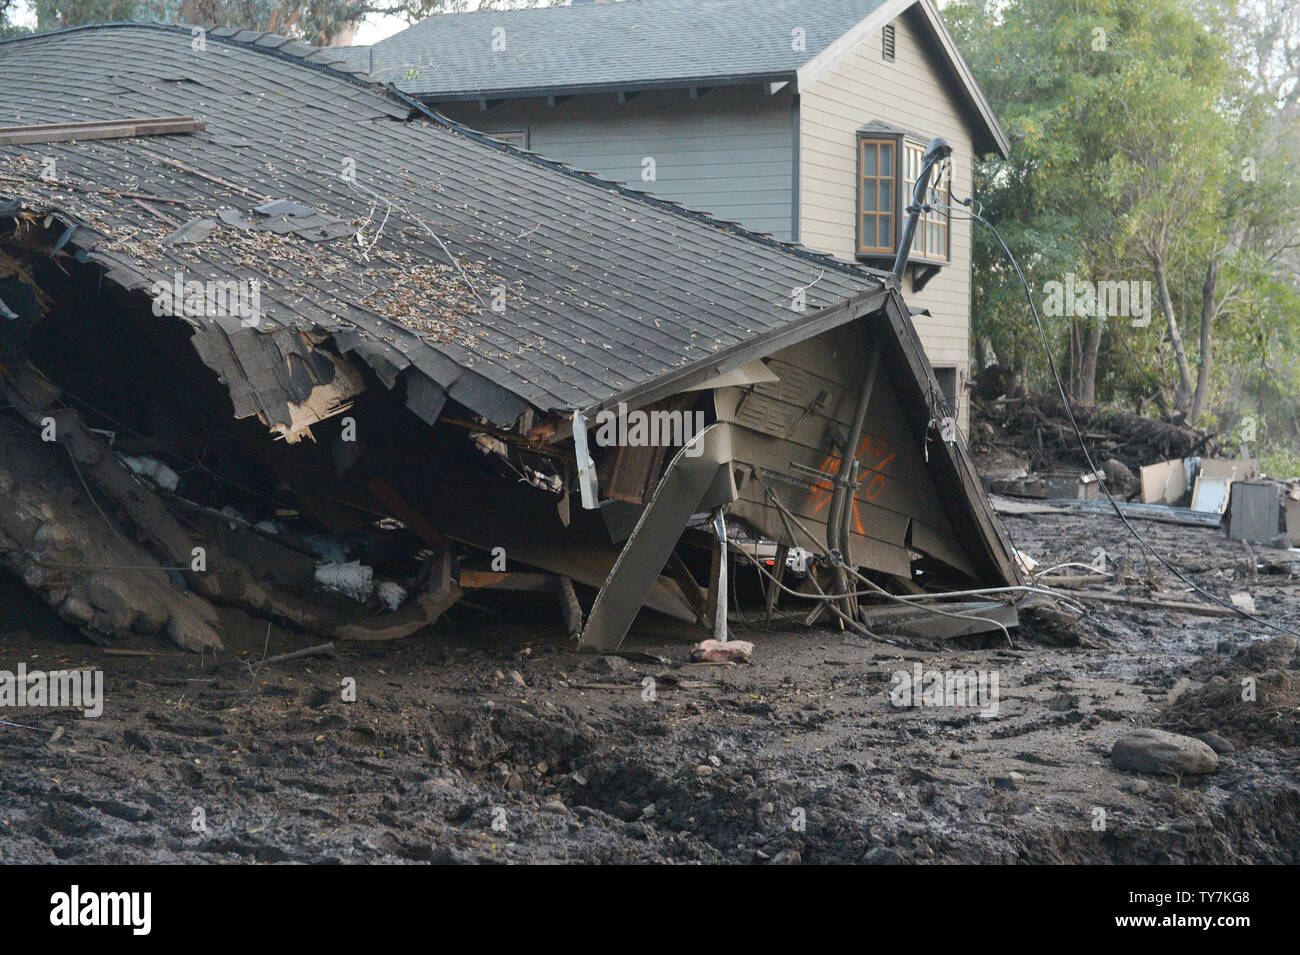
[{"x": 266, "y": 324}]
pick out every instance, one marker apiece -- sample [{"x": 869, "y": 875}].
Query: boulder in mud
[{"x": 1158, "y": 751}]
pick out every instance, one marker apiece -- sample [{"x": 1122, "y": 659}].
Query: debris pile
[
  {"x": 1153, "y": 470},
  {"x": 1036, "y": 430}
]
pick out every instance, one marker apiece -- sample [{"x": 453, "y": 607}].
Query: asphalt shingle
[
  {"x": 604, "y": 289},
  {"x": 590, "y": 45}
]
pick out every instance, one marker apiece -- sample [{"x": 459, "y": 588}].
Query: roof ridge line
[{"x": 229, "y": 35}]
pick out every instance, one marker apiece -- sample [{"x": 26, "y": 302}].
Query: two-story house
[{"x": 805, "y": 119}]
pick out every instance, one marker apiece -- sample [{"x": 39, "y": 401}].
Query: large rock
[{"x": 1156, "y": 751}]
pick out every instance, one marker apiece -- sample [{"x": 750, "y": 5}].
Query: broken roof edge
[
  {"x": 482, "y": 395},
  {"x": 741, "y": 353},
  {"x": 319, "y": 59},
  {"x": 977, "y": 523}
]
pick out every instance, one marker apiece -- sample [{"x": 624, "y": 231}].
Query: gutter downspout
[{"x": 936, "y": 152}]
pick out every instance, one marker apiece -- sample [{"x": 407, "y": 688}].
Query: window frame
[
  {"x": 520, "y": 131},
  {"x": 866, "y": 139},
  {"x": 936, "y": 226}
]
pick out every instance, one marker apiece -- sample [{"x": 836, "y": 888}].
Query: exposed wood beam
[{"x": 100, "y": 129}]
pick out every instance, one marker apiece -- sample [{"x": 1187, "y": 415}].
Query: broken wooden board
[
  {"x": 693, "y": 482},
  {"x": 100, "y": 129}
]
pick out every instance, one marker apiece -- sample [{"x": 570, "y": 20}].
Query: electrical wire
[{"x": 876, "y": 589}]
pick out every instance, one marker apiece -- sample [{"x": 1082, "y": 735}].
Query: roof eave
[
  {"x": 593, "y": 89},
  {"x": 992, "y": 138},
  {"x": 989, "y": 135}
]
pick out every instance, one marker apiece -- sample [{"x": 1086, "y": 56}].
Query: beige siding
[{"x": 911, "y": 93}]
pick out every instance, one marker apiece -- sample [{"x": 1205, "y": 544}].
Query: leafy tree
[{"x": 1142, "y": 149}]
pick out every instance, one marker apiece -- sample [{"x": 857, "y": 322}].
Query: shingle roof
[
  {"x": 594, "y": 45},
  {"x": 606, "y": 290}
]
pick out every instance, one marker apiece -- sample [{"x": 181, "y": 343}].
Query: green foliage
[
  {"x": 1137, "y": 136},
  {"x": 1281, "y": 463}
]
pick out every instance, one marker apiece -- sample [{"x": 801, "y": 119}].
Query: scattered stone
[
  {"x": 518, "y": 678},
  {"x": 787, "y": 857},
  {"x": 608, "y": 664},
  {"x": 555, "y": 806},
  {"x": 1010, "y": 782},
  {"x": 1121, "y": 479},
  {"x": 1157, "y": 751},
  {"x": 1216, "y": 742}
]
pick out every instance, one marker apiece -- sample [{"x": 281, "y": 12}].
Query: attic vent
[{"x": 887, "y": 38}]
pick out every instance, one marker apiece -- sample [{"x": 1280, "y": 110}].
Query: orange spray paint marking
[{"x": 877, "y": 458}]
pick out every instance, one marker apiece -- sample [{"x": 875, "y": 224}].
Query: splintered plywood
[
  {"x": 324, "y": 401},
  {"x": 792, "y": 443}
]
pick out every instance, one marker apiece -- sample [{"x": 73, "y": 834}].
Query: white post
[{"x": 720, "y": 620}]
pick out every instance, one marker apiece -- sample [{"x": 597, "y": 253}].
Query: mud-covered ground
[{"x": 492, "y": 740}]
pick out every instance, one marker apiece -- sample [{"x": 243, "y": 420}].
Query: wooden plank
[
  {"x": 923, "y": 623},
  {"x": 685, "y": 490},
  {"x": 1182, "y": 606},
  {"x": 778, "y": 572},
  {"x": 100, "y": 129},
  {"x": 569, "y": 606},
  {"x": 493, "y": 580}
]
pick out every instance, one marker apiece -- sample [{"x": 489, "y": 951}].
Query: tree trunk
[
  {"x": 1209, "y": 311},
  {"x": 1183, "y": 397},
  {"x": 1088, "y": 364}
]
